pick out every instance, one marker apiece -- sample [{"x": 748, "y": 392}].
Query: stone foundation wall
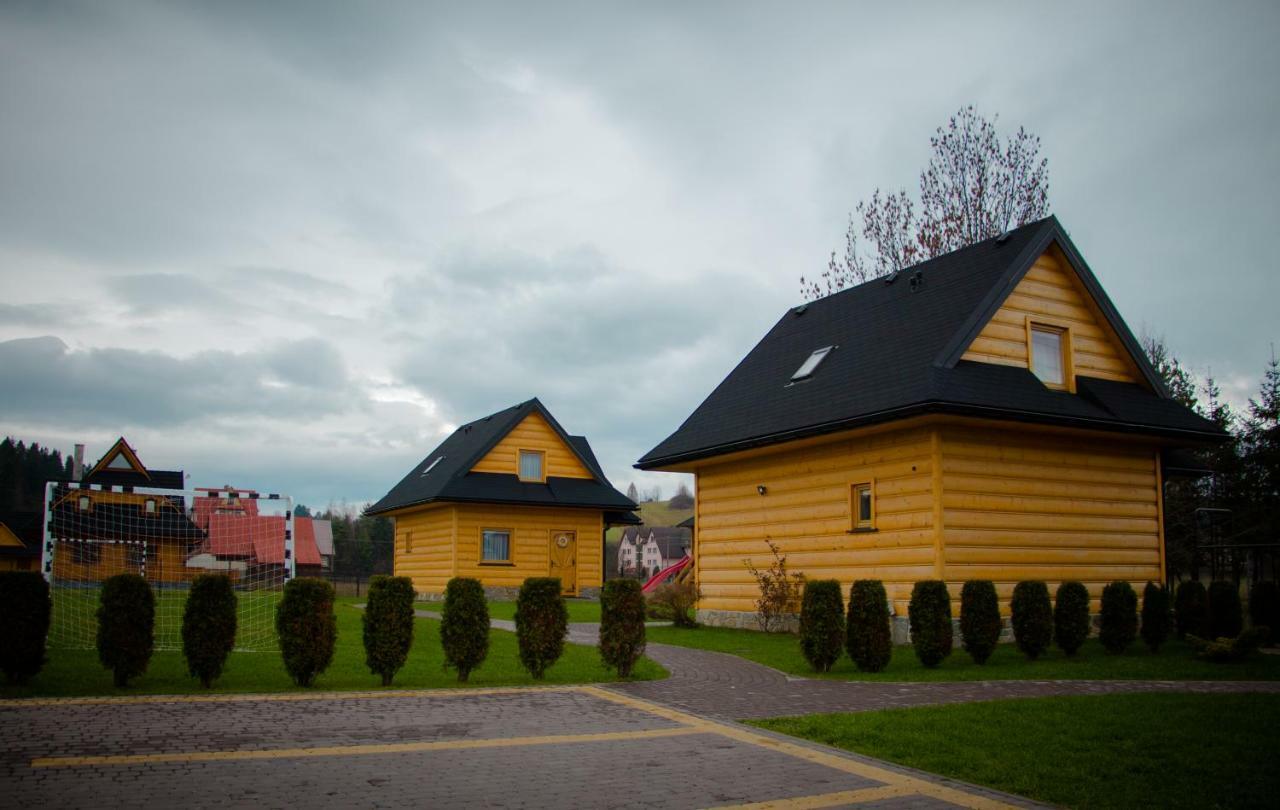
[{"x": 899, "y": 625}]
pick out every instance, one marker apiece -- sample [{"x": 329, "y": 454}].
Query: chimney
[{"x": 77, "y": 466}]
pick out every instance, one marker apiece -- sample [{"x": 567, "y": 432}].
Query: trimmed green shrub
[
  {"x": 1071, "y": 616},
  {"x": 1226, "y": 618},
  {"x": 1119, "y": 616},
  {"x": 1225, "y": 650},
  {"x": 388, "y": 625},
  {"x": 1031, "y": 615},
  {"x": 822, "y": 623},
  {"x": 307, "y": 627},
  {"x": 1264, "y": 608},
  {"x": 26, "y": 607},
  {"x": 464, "y": 625},
  {"x": 622, "y": 609},
  {"x": 979, "y": 619},
  {"x": 1191, "y": 610},
  {"x": 674, "y": 602},
  {"x": 208, "y": 626},
  {"x": 1155, "y": 615},
  {"x": 868, "y": 635},
  {"x": 930, "y": 615},
  {"x": 542, "y": 622},
  {"x": 126, "y": 626}
]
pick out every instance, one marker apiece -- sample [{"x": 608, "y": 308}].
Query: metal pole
[
  {"x": 46, "y": 554},
  {"x": 290, "y": 566}
]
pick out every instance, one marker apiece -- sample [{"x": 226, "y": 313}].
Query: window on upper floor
[
  {"x": 532, "y": 463},
  {"x": 1048, "y": 354}
]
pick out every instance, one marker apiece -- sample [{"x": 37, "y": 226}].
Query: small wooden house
[
  {"x": 986, "y": 414},
  {"x": 504, "y": 498}
]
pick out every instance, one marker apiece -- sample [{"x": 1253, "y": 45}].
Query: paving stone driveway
[
  {"x": 557, "y": 747},
  {"x": 670, "y": 743}
]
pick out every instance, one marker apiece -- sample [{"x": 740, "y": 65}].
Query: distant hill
[{"x": 654, "y": 513}]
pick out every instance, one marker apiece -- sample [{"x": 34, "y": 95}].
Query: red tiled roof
[
  {"x": 203, "y": 507},
  {"x": 261, "y": 538}
]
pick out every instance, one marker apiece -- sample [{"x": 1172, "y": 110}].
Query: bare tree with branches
[{"x": 975, "y": 186}]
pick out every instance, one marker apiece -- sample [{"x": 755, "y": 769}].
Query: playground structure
[{"x": 678, "y": 571}]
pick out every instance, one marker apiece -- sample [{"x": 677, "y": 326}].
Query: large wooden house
[
  {"x": 504, "y": 498},
  {"x": 119, "y": 519},
  {"x": 986, "y": 414}
]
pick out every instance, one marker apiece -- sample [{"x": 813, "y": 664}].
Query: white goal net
[{"x": 169, "y": 537}]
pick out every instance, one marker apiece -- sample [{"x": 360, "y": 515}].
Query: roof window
[
  {"x": 433, "y": 464},
  {"x": 811, "y": 364}
]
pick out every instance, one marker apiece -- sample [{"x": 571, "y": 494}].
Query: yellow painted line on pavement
[
  {"x": 282, "y": 697},
  {"x": 859, "y": 796},
  {"x": 359, "y": 750},
  {"x": 884, "y": 775}
]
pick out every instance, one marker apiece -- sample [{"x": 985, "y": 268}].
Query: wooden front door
[{"x": 564, "y": 560}]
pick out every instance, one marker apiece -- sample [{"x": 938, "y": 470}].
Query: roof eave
[
  {"x": 611, "y": 507},
  {"x": 924, "y": 409}
]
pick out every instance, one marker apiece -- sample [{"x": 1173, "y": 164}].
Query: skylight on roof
[
  {"x": 811, "y": 364},
  {"x": 433, "y": 464}
]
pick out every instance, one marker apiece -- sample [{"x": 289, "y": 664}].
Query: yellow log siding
[
  {"x": 424, "y": 548},
  {"x": 533, "y": 433},
  {"x": 1027, "y": 506},
  {"x": 446, "y": 543},
  {"x": 166, "y": 562},
  {"x": 1051, "y": 292},
  {"x": 806, "y": 512},
  {"x": 531, "y": 528}
]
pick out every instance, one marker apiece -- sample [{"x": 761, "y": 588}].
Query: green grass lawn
[
  {"x": 1097, "y": 751},
  {"x": 1173, "y": 662},
  {"x": 75, "y": 620},
  {"x": 77, "y": 672}
]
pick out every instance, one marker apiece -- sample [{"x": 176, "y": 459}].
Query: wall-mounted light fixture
[{"x": 761, "y": 488}]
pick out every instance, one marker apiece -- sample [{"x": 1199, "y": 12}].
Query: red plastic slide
[{"x": 666, "y": 573}]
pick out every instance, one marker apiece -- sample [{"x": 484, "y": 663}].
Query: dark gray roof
[
  {"x": 28, "y": 527},
  {"x": 444, "y": 475},
  {"x": 897, "y": 354}
]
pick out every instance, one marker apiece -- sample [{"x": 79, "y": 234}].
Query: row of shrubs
[
  {"x": 307, "y": 626},
  {"x": 827, "y": 628}
]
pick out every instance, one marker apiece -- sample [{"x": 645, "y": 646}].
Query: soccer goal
[{"x": 168, "y": 537}]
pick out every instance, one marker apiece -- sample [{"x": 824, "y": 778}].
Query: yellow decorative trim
[{"x": 357, "y": 750}]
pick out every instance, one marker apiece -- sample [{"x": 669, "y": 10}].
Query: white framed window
[
  {"x": 532, "y": 465},
  {"x": 1049, "y": 347},
  {"x": 862, "y": 505},
  {"x": 495, "y": 546},
  {"x": 84, "y": 502},
  {"x": 149, "y": 506}
]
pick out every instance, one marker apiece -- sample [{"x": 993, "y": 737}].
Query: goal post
[{"x": 167, "y": 536}]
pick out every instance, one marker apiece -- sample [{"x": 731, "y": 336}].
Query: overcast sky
[{"x": 291, "y": 245}]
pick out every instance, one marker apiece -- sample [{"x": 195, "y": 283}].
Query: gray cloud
[
  {"x": 36, "y": 315},
  {"x": 125, "y": 388},
  {"x": 150, "y": 294},
  {"x": 348, "y": 226}
]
